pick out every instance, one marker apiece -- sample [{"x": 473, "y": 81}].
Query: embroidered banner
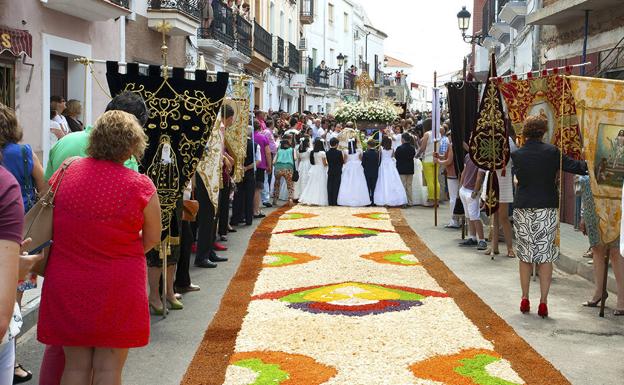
[
  {"x": 489, "y": 143},
  {"x": 600, "y": 109},
  {"x": 180, "y": 114},
  {"x": 547, "y": 96}
]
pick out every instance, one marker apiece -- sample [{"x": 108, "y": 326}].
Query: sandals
[
  {"x": 20, "y": 379},
  {"x": 596, "y": 303},
  {"x": 489, "y": 251}
]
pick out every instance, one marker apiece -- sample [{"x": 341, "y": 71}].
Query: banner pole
[{"x": 434, "y": 124}]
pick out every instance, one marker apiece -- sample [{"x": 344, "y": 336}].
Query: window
[
  {"x": 282, "y": 31},
  {"x": 332, "y": 57},
  {"x": 330, "y": 13},
  {"x": 314, "y": 57},
  {"x": 7, "y": 83},
  {"x": 290, "y": 31},
  {"x": 272, "y": 18},
  {"x": 346, "y": 22}
]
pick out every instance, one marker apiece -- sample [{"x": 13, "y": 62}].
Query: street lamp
[
  {"x": 341, "y": 61},
  {"x": 385, "y": 62},
  {"x": 463, "y": 21}
]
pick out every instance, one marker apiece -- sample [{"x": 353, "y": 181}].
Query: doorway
[{"x": 58, "y": 76}]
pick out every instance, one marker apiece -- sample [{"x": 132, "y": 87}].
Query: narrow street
[{"x": 571, "y": 330}]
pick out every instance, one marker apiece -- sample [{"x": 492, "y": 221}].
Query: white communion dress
[
  {"x": 389, "y": 190},
  {"x": 419, "y": 190},
  {"x": 304, "y": 172},
  {"x": 315, "y": 191},
  {"x": 353, "y": 189}
]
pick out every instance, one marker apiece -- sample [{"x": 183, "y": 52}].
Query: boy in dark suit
[
  {"x": 335, "y": 161},
  {"x": 404, "y": 155},
  {"x": 370, "y": 162}
]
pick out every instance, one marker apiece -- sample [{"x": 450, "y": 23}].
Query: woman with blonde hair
[
  {"x": 106, "y": 217},
  {"x": 71, "y": 113}
]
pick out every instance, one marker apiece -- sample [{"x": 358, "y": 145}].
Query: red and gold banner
[{"x": 549, "y": 96}]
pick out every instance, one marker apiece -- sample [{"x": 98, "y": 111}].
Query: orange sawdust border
[
  {"x": 213, "y": 355},
  {"x": 530, "y": 365}
]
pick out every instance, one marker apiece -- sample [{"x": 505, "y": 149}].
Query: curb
[{"x": 578, "y": 267}]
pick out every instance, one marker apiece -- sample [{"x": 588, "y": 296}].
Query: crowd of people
[{"x": 307, "y": 158}]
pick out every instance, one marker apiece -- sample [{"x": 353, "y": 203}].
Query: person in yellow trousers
[{"x": 426, "y": 151}]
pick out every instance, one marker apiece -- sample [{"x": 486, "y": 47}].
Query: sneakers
[
  {"x": 469, "y": 242},
  {"x": 482, "y": 245}
]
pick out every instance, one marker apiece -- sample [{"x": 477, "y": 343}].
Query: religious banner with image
[
  {"x": 181, "y": 113},
  {"x": 545, "y": 96},
  {"x": 600, "y": 108},
  {"x": 236, "y": 134}
]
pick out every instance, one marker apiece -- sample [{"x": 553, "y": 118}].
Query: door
[{"x": 58, "y": 76}]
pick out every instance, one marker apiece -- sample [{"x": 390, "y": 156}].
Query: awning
[{"x": 16, "y": 41}]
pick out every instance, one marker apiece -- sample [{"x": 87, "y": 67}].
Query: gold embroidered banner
[
  {"x": 547, "y": 96},
  {"x": 210, "y": 166},
  {"x": 236, "y": 134},
  {"x": 600, "y": 108}
]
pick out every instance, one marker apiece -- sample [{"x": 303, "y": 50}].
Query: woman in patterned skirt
[{"x": 536, "y": 166}]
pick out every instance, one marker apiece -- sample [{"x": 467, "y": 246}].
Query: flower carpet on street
[{"x": 352, "y": 296}]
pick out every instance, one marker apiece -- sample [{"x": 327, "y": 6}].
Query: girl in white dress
[
  {"x": 303, "y": 165},
  {"x": 389, "y": 190},
  {"x": 353, "y": 189},
  {"x": 419, "y": 190},
  {"x": 315, "y": 191}
]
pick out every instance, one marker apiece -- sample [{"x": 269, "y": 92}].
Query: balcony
[
  {"x": 306, "y": 12},
  {"x": 349, "y": 80},
  {"x": 263, "y": 42},
  {"x": 294, "y": 58},
  {"x": 220, "y": 34},
  {"x": 278, "y": 51},
  {"x": 500, "y": 32},
  {"x": 568, "y": 11},
  {"x": 182, "y": 15},
  {"x": 243, "y": 36},
  {"x": 514, "y": 13},
  {"x": 90, "y": 10}
]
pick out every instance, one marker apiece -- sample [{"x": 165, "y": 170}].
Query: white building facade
[{"x": 340, "y": 29}]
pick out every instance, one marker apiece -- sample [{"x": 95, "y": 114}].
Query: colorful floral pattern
[
  {"x": 365, "y": 309},
  {"x": 278, "y": 368},
  {"x": 393, "y": 257},
  {"x": 294, "y": 216},
  {"x": 352, "y": 298},
  {"x": 373, "y": 216},
  {"x": 468, "y": 367},
  {"x": 334, "y": 232},
  {"x": 281, "y": 259}
]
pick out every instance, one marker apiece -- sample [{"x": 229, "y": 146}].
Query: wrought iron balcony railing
[
  {"x": 306, "y": 11},
  {"x": 122, "y": 3},
  {"x": 263, "y": 42},
  {"x": 243, "y": 36},
  {"x": 294, "y": 58},
  {"x": 188, "y": 7},
  {"x": 278, "y": 51},
  {"x": 222, "y": 27}
]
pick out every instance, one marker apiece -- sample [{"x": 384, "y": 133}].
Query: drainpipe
[
  {"x": 122, "y": 39},
  {"x": 585, "y": 36}
]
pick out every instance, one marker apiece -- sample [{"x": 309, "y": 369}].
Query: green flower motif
[
  {"x": 268, "y": 374},
  {"x": 475, "y": 369}
]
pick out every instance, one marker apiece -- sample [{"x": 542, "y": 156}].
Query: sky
[{"x": 423, "y": 33}]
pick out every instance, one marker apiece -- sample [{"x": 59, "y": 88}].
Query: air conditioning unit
[{"x": 303, "y": 44}]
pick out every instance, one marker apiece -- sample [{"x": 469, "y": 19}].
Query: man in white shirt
[{"x": 316, "y": 125}]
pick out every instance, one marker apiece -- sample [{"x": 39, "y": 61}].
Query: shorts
[
  {"x": 260, "y": 178},
  {"x": 471, "y": 206}
]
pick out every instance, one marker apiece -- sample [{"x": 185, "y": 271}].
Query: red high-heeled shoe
[
  {"x": 525, "y": 305},
  {"x": 542, "y": 310}
]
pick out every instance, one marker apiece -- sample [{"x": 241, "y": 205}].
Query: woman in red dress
[{"x": 94, "y": 300}]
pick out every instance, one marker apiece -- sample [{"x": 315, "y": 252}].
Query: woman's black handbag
[{"x": 295, "y": 176}]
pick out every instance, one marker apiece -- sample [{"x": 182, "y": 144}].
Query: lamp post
[{"x": 463, "y": 22}]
